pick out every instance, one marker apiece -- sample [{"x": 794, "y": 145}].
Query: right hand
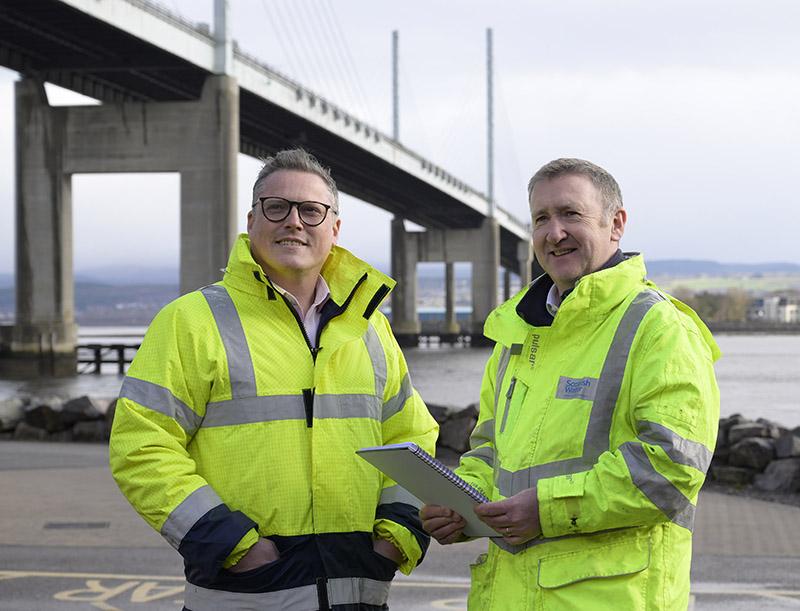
[
  {"x": 442, "y": 523},
  {"x": 262, "y": 553}
]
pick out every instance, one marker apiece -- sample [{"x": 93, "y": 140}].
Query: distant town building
[{"x": 780, "y": 308}]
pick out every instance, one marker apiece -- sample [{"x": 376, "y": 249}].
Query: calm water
[{"x": 759, "y": 375}]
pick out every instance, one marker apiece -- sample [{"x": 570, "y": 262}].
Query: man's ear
[{"x": 618, "y": 224}]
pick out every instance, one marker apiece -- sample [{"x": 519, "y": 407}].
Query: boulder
[
  {"x": 26, "y": 432},
  {"x": 726, "y": 474},
  {"x": 90, "y": 430},
  {"x": 440, "y": 413},
  {"x": 788, "y": 445},
  {"x": 45, "y": 414},
  {"x": 751, "y": 429},
  {"x": 454, "y": 433},
  {"x": 782, "y": 475},
  {"x": 11, "y": 411},
  {"x": 752, "y": 452},
  {"x": 109, "y": 417}
]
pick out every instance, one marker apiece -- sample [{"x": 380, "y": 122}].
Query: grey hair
[
  {"x": 298, "y": 160},
  {"x": 610, "y": 193}
]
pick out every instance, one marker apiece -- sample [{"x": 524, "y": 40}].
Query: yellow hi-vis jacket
[
  {"x": 230, "y": 427},
  {"x": 610, "y": 410}
]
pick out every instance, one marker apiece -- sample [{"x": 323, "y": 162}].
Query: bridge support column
[
  {"x": 485, "y": 275},
  {"x": 199, "y": 139},
  {"x": 525, "y": 258},
  {"x": 43, "y": 341},
  {"x": 479, "y": 246},
  {"x": 405, "y": 320},
  {"x": 451, "y": 325}
]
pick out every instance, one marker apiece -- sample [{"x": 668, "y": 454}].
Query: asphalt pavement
[{"x": 69, "y": 540}]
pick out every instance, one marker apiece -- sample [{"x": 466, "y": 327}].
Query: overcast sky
[{"x": 693, "y": 105}]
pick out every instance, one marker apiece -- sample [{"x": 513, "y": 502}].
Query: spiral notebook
[{"x": 430, "y": 481}]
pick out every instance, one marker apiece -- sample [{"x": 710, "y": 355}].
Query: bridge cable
[{"x": 299, "y": 71}]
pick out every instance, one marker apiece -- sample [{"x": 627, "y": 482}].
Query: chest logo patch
[{"x": 576, "y": 388}]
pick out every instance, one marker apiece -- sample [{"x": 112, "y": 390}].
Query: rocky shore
[{"x": 759, "y": 459}]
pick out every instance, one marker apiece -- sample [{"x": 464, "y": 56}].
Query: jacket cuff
[
  {"x": 248, "y": 541},
  {"x": 403, "y": 540},
  {"x": 559, "y": 504}
]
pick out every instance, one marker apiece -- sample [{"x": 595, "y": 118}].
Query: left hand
[
  {"x": 389, "y": 550},
  {"x": 516, "y": 518}
]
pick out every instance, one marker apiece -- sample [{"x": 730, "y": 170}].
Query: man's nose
[
  {"x": 555, "y": 232},
  {"x": 294, "y": 217}
]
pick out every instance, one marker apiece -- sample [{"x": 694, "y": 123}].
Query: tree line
[{"x": 728, "y": 306}]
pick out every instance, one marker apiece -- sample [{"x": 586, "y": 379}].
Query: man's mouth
[
  {"x": 560, "y": 253},
  {"x": 290, "y": 243}
]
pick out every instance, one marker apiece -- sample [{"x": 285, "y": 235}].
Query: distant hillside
[
  {"x": 107, "y": 304},
  {"x": 133, "y": 295},
  {"x": 689, "y": 268}
]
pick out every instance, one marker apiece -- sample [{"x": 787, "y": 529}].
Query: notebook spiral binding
[{"x": 445, "y": 471}]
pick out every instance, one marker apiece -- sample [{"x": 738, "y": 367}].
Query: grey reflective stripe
[
  {"x": 240, "y": 363},
  {"x": 255, "y": 409},
  {"x": 377, "y": 358},
  {"x": 160, "y": 399},
  {"x": 398, "y": 494},
  {"x": 657, "y": 488},
  {"x": 680, "y": 450},
  {"x": 598, "y": 430},
  {"x": 483, "y": 453},
  {"x": 395, "y": 404},
  {"x": 355, "y": 590},
  {"x": 199, "y": 599},
  {"x": 341, "y": 591},
  {"x": 289, "y": 407},
  {"x": 502, "y": 365},
  {"x": 186, "y": 515},
  {"x": 482, "y": 434}
]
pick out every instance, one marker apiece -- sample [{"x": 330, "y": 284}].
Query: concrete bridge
[{"x": 178, "y": 97}]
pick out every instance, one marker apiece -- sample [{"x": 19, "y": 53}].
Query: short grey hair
[
  {"x": 297, "y": 160},
  {"x": 604, "y": 182}
]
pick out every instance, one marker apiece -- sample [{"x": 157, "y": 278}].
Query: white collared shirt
[
  {"x": 311, "y": 318},
  {"x": 553, "y": 301}
]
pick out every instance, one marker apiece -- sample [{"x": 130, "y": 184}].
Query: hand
[
  {"x": 262, "y": 553},
  {"x": 443, "y": 524},
  {"x": 389, "y": 550},
  {"x": 516, "y": 518}
]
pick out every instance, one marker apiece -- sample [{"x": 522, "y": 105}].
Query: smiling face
[
  {"x": 571, "y": 235},
  {"x": 289, "y": 252}
]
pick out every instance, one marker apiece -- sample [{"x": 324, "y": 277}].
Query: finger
[
  {"x": 434, "y": 511},
  {"x": 490, "y": 509},
  {"x": 433, "y": 524},
  {"x": 448, "y": 534}
]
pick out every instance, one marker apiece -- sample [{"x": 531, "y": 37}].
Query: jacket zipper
[{"x": 509, "y": 394}]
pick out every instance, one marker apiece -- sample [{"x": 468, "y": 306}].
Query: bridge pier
[
  {"x": 199, "y": 139},
  {"x": 480, "y": 246}
]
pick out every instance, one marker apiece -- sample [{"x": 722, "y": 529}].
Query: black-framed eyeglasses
[{"x": 276, "y": 209}]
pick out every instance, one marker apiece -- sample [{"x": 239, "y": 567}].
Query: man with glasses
[{"x": 236, "y": 428}]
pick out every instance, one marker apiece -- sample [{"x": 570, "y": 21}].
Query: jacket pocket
[{"x": 612, "y": 576}]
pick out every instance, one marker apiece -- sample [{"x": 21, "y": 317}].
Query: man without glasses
[{"x": 598, "y": 419}]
